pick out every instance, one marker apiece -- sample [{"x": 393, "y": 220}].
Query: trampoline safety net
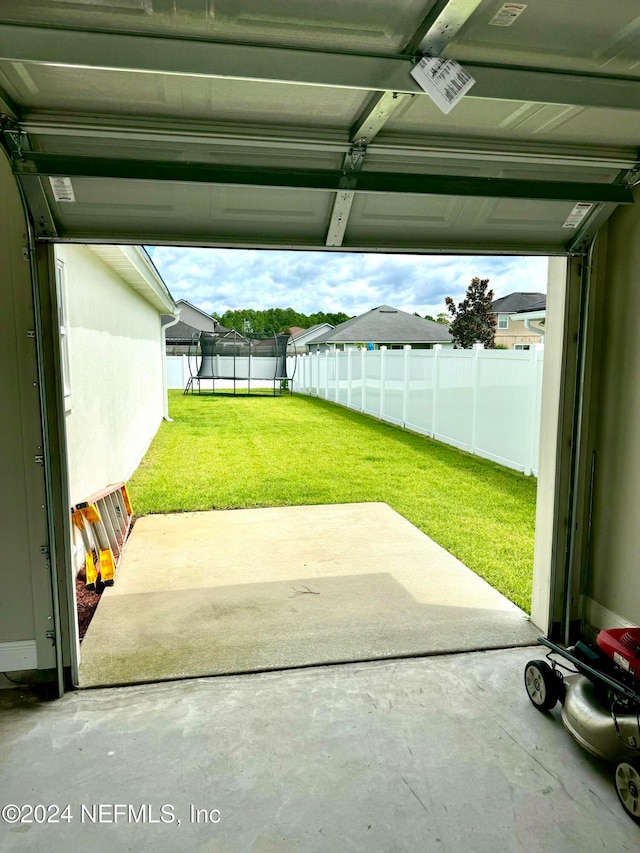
[{"x": 237, "y": 357}]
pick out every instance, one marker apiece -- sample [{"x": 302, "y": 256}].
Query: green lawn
[{"x": 226, "y": 452}]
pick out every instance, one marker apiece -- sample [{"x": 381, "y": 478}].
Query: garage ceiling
[{"x": 270, "y": 123}]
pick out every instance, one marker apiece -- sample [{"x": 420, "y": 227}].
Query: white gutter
[
  {"x": 535, "y": 330},
  {"x": 527, "y": 317},
  {"x": 165, "y": 389}
]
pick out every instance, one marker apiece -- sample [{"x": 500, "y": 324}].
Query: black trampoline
[{"x": 240, "y": 358}]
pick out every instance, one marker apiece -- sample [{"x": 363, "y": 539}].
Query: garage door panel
[
  {"x": 581, "y": 37},
  {"x": 107, "y": 91},
  {"x": 519, "y": 120},
  {"x": 439, "y": 220},
  {"x": 240, "y": 214},
  {"x": 366, "y": 24}
]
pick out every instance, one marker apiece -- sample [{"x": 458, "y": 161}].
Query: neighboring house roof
[
  {"x": 536, "y": 307},
  {"x": 134, "y": 266},
  {"x": 386, "y": 324},
  {"x": 181, "y": 332},
  {"x": 535, "y": 313},
  {"x": 296, "y": 330},
  {"x": 515, "y": 302},
  {"x": 306, "y": 336}
]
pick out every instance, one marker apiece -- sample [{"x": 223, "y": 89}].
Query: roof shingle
[
  {"x": 386, "y": 324},
  {"x": 515, "y": 302}
]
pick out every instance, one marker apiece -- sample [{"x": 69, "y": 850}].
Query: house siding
[
  {"x": 515, "y": 333},
  {"x": 115, "y": 354},
  {"x": 196, "y": 318}
]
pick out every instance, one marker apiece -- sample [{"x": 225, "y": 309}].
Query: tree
[
  {"x": 272, "y": 321},
  {"x": 472, "y": 321}
]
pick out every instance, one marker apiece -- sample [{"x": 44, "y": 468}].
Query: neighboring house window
[
  {"x": 522, "y": 346},
  {"x": 503, "y": 321},
  {"x": 61, "y": 292}
]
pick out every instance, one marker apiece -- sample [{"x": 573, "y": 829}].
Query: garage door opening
[{"x": 242, "y": 559}]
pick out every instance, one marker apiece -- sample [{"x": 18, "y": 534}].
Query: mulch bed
[{"x": 87, "y": 600}]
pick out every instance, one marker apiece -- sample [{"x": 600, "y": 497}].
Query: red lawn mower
[{"x": 600, "y": 698}]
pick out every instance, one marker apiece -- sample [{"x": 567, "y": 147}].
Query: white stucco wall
[{"x": 116, "y": 358}]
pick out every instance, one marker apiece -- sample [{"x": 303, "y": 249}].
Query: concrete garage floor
[
  {"x": 210, "y": 593},
  {"x": 436, "y": 754}
]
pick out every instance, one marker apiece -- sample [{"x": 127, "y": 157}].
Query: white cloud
[{"x": 221, "y": 279}]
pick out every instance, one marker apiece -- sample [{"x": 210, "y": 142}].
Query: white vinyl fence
[
  {"x": 177, "y": 371},
  {"x": 486, "y": 402}
]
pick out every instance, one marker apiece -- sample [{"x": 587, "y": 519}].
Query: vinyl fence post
[
  {"x": 405, "y": 385},
  {"x": 349, "y": 376},
  {"x": 185, "y": 371},
  {"x": 475, "y": 381},
  {"x": 436, "y": 388},
  {"x": 317, "y": 373},
  {"x": 337, "y": 388},
  {"x": 363, "y": 378},
  {"x": 383, "y": 354},
  {"x": 326, "y": 374}
]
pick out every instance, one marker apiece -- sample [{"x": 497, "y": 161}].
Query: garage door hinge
[
  {"x": 356, "y": 155},
  {"x": 39, "y": 460},
  {"x": 26, "y": 254},
  {"x": 31, "y": 333},
  {"x": 633, "y": 177},
  {"x": 51, "y": 635}
]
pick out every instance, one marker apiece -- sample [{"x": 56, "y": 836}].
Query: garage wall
[
  {"x": 614, "y": 579},
  {"x": 25, "y": 592},
  {"x": 116, "y": 400}
]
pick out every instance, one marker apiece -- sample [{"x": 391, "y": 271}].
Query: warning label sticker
[
  {"x": 444, "y": 80},
  {"x": 577, "y": 214},
  {"x": 507, "y": 14},
  {"x": 623, "y": 662},
  {"x": 62, "y": 189}
]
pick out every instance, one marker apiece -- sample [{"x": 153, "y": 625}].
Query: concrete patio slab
[{"x": 210, "y": 593}]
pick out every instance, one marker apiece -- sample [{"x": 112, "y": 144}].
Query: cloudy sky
[{"x": 222, "y": 279}]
